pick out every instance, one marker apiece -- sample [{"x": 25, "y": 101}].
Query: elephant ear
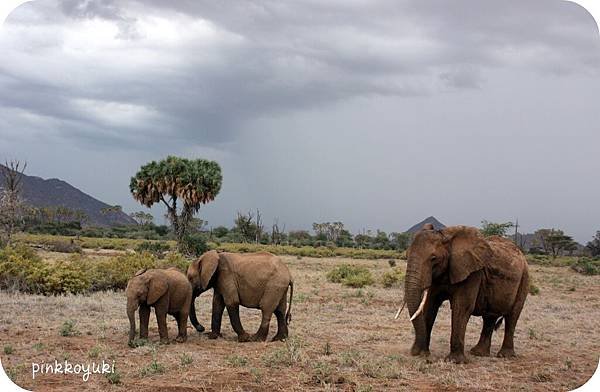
[
  {"x": 157, "y": 287},
  {"x": 208, "y": 266},
  {"x": 469, "y": 252}
]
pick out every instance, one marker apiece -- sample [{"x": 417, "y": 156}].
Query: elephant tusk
[
  {"x": 400, "y": 309},
  {"x": 421, "y": 306}
]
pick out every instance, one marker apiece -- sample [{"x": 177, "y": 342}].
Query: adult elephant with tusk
[
  {"x": 485, "y": 277},
  {"x": 253, "y": 280}
]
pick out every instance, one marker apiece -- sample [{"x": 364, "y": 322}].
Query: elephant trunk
[
  {"x": 132, "y": 305},
  {"x": 193, "y": 317},
  {"x": 413, "y": 289}
]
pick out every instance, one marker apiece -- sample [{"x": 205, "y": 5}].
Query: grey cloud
[
  {"x": 378, "y": 113},
  {"x": 301, "y": 55}
]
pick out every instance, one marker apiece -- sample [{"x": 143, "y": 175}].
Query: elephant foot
[
  {"x": 456, "y": 358},
  {"x": 214, "y": 335},
  {"x": 245, "y": 337},
  {"x": 419, "y": 351},
  {"x": 480, "y": 351},
  {"x": 164, "y": 341},
  {"x": 181, "y": 339},
  {"x": 506, "y": 353},
  {"x": 258, "y": 338},
  {"x": 279, "y": 337}
]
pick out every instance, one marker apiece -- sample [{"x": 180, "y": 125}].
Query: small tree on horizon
[
  {"x": 12, "y": 207},
  {"x": 554, "y": 241},
  {"x": 594, "y": 245},
  {"x": 491, "y": 228},
  {"x": 182, "y": 185}
]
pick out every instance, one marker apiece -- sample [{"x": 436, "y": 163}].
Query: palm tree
[{"x": 182, "y": 185}]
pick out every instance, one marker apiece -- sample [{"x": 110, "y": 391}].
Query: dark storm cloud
[
  {"x": 231, "y": 63},
  {"x": 376, "y": 113}
]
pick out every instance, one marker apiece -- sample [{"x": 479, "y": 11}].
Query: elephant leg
[
  {"x": 282, "y": 327},
  {"x": 263, "y": 330},
  {"x": 510, "y": 321},
  {"x": 431, "y": 311},
  {"x": 218, "y": 306},
  {"x": 161, "y": 319},
  {"x": 462, "y": 303},
  {"x": 234, "y": 317},
  {"x": 482, "y": 349},
  {"x": 144, "y": 320},
  {"x": 181, "y": 317}
]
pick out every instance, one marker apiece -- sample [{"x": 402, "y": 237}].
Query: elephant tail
[
  {"x": 288, "y": 316},
  {"x": 498, "y": 323}
]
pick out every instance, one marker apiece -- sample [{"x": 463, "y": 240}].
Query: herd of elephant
[{"x": 480, "y": 276}]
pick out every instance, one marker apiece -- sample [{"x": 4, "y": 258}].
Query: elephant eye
[{"x": 433, "y": 258}]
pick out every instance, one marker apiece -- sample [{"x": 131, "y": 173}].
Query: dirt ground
[{"x": 342, "y": 339}]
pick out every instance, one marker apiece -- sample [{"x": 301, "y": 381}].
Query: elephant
[
  {"x": 253, "y": 280},
  {"x": 168, "y": 291},
  {"x": 480, "y": 276}
]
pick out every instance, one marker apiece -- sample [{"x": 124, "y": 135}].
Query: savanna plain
[{"x": 341, "y": 339}]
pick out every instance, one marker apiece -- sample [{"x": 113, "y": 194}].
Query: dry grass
[{"x": 341, "y": 339}]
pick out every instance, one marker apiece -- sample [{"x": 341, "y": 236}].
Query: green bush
[
  {"x": 587, "y": 266},
  {"x": 156, "y": 248},
  {"x": 64, "y": 246},
  {"x": 114, "y": 272},
  {"x": 65, "y": 277},
  {"x": 21, "y": 269},
  {"x": 533, "y": 289},
  {"x": 392, "y": 278},
  {"x": 195, "y": 244},
  {"x": 349, "y": 275}
]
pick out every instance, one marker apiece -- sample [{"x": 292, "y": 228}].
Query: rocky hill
[
  {"x": 53, "y": 192},
  {"x": 436, "y": 225}
]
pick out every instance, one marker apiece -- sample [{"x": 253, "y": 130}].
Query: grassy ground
[
  {"x": 341, "y": 339},
  {"x": 107, "y": 244}
]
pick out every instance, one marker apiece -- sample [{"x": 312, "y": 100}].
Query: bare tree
[
  {"x": 277, "y": 232},
  {"x": 245, "y": 225},
  {"x": 260, "y": 228},
  {"x": 12, "y": 207}
]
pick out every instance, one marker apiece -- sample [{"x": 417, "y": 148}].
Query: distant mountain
[
  {"x": 436, "y": 225},
  {"x": 38, "y": 192}
]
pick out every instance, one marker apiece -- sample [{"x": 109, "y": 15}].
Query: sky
[{"x": 374, "y": 113}]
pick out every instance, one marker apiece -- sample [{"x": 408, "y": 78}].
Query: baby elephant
[
  {"x": 254, "y": 280},
  {"x": 168, "y": 291}
]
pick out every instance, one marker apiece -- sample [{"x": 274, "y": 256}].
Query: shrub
[
  {"x": 391, "y": 278},
  {"x": 236, "y": 360},
  {"x": 68, "y": 329},
  {"x": 587, "y": 266},
  {"x": 361, "y": 279},
  {"x": 21, "y": 269},
  {"x": 8, "y": 349},
  {"x": 288, "y": 355},
  {"x": 64, "y": 246},
  {"x": 113, "y": 377},
  {"x": 186, "y": 359},
  {"x": 195, "y": 244},
  {"x": 65, "y": 277},
  {"x": 533, "y": 289},
  {"x": 174, "y": 259},
  {"x": 350, "y": 275},
  {"x": 114, "y": 273},
  {"x": 157, "y": 248}
]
